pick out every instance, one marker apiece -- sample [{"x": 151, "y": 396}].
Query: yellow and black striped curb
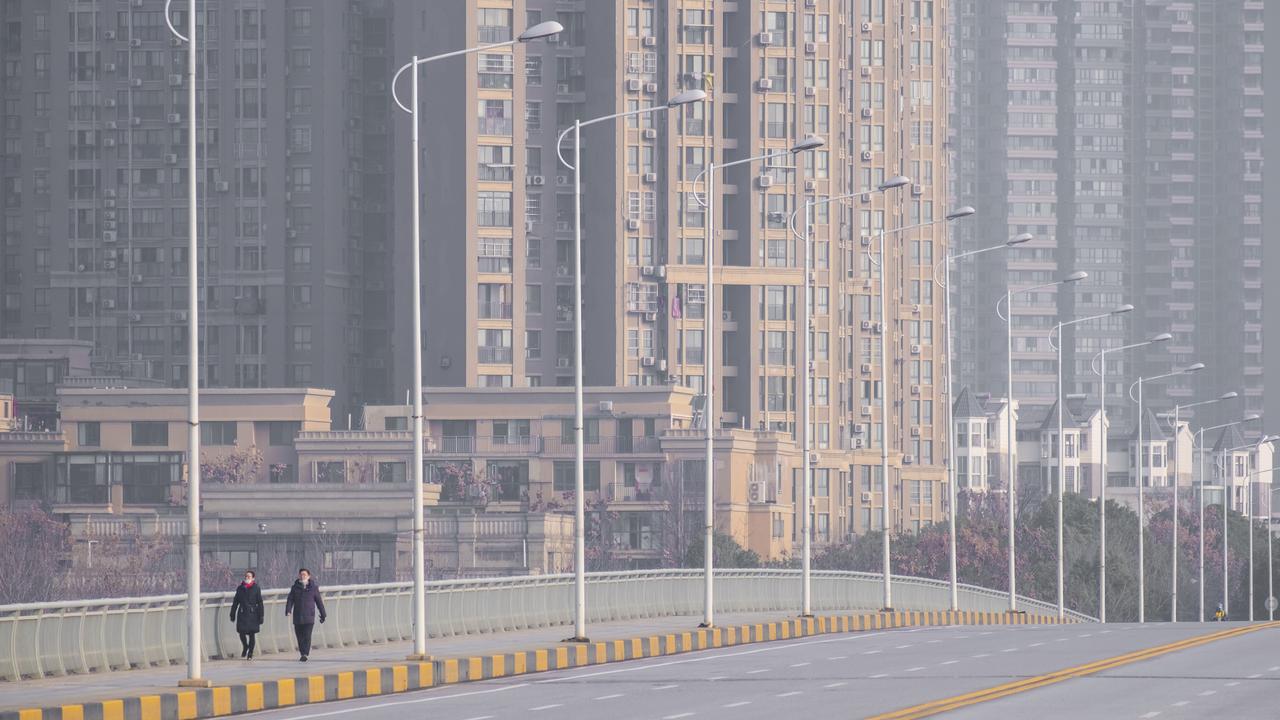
[{"x": 287, "y": 692}]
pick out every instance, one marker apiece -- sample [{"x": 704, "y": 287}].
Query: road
[{"x": 866, "y": 674}]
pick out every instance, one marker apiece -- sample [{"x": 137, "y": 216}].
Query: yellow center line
[{"x": 1019, "y": 686}]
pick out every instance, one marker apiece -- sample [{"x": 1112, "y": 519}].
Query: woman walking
[
  {"x": 247, "y": 613},
  {"x": 304, "y": 604}
]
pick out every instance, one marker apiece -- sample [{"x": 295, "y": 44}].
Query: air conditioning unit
[
  {"x": 180, "y": 316},
  {"x": 135, "y": 42},
  {"x": 726, "y": 315},
  {"x": 866, "y": 27},
  {"x": 866, "y": 155},
  {"x": 109, "y": 103},
  {"x": 111, "y": 125},
  {"x": 646, "y": 269},
  {"x": 135, "y": 121},
  {"x": 291, "y": 234},
  {"x": 649, "y": 362},
  {"x": 135, "y": 317},
  {"x": 878, "y": 327},
  {"x": 866, "y": 368},
  {"x": 866, "y": 112},
  {"x": 915, "y": 309},
  {"x": 175, "y": 42},
  {"x": 108, "y": 224},
  {"x": 765, "y": 38},
  {"x": 564, "y": 180},
  {"x": 866, "y": 241},
  {"x": 224, "y": 186},
  {"x": 109, "y": 35},
  {"x": 765, "y": 181},
  {"x": 633, "y": 224},
  {"x": 175, "y": 80},
  {"x": 866, "y": 324},
  {"x": 109, "y": 203},
  {"x": 915, "y": 349},
  {"x": 866, "y": 497},
  {"x": 811, "y": 48},
  {"x": 755, "y": 492},
  {"x": 535, "y": 180},
  {"x": 917, "y": 190},
  {"x": 171, "y": 159},
  {"x": 810, "y": 92},
  {"x": 866, "y": 71},
  {"x": 137, "y": 82},
  {"x": 858, "y": 443},
  {"x": 109, "y": 236},
  {"x": 915, "y": 389},
  {"x": 650, "y": 134},
  {"x": 109, "y": 67},
  {"x": 810, "y": 185},
  {"x": 564, "y": 362},
  {"x": 562, "y": 270},
  {"x": 650, "y": 41},
  {"x": 651, "y": 178},
  {"x": 651, "y": 317},
  {"x": 137, "y": 278},
  {"x": 108, "y": 264},
  {"x": 108, "y": 142},
  {"x": 866, "y": 411},
  {"x": 908, "y": 459},
  {"x": 651, "y": 88},
  {"x": 109, "y": 304},
  {"x": 174, "y": 118},
  {"x": 764, "y": 84},
  {"x": 915, "y": 431}
]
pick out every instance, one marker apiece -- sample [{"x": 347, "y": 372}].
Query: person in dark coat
[
  {"x": 247, "y": 613},
  {"x": 304, "y": 604}
]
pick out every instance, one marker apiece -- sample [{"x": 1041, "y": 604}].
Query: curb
[{"x": 388, "y": 679}]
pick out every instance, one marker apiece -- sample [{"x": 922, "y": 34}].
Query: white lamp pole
[
  {"x": 541, "y": 30},
  {"x": 1100, "y": 366},
  {"x": 806, "y": 364},
  {"x": 1249, "y": 512},
  {"x": 1203, "y": 451},
  {"x": 579, "y": 533},
  {"x": 195, "y": 640},
  {"x": 1177, "y": 419},
  {"x": 709, "y": 415},
  {"x": 1061, "y": 444},
  {"x": 1141, "y": 455},
  {"x": 1012, "y": 439},
  {"x": 946, "y": 265}
]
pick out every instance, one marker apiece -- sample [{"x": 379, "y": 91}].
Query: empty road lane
[{"x": 854, "y": 675}]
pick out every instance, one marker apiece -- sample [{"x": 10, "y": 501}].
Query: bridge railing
[{"x": 87, "y": 636}]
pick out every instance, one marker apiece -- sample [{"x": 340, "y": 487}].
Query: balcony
[{"x": 504, "y": 445}]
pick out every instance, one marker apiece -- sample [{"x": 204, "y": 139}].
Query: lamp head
[
  {"x": 1020, "y": 239},
  {"x": 812, "y": 142},
  {"x": 1252, "y": 417},
  {"x": 961, "y": 212},
  {"x": 896, "y": 181},
  {"x": 1122, "y": 310},
  {"x": 1076, "y": 276},
  {"x": 541, "y": 30},
  {"x": 1193, "y": 367},
  {"x": 686, "y": 97},
  {"x": 1229, "y": 395},
  {"x": 1162, "y": 337}
]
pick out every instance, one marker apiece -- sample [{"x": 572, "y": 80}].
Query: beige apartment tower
[{"x": 868, "y": 77}]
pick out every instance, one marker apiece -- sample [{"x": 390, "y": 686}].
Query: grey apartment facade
[
  {"x": 294, "y": 144},
  {"x": 1127, "y": 137}
]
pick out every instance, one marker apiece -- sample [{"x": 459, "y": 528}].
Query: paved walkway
[{"x": 48, "y": 692}]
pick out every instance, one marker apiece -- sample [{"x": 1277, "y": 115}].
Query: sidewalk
[{"x": 47, "y": 692}]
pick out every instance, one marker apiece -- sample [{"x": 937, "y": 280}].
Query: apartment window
[
  {"x": 775, "y": 120},
  {"x": 89, "y": 434},
  {"x": 493, "y": 346},
  {"x": 393, "y": 472},
  {"x": 150, "y": 433},
  {"x": 331, "y": 471},
  {"x": 565, "y": 476},
  {"x": 590, "y": 431},
  {"x": 533, "y": 299},
  {"x": 496, "y": 70},
  {"x": 280, "y": 433},
  {"x": 301, "y": 336},
  {"x": 217, "y": 432},
  {"x": 495, "y": 163},
  {"x": 532, "y": 344},
  {"x": 493, "y": 301},
  {"x": 493, "y": 25},
  {"x": 494, "y": 117},
  {"x": 493, "y": 208}
]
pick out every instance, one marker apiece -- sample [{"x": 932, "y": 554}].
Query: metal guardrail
[{"x": 62, "y": 638}]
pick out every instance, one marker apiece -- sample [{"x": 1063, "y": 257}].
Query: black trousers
[
  {"x": 248, "y": 641},
  {"x": 303, "y": 633}
]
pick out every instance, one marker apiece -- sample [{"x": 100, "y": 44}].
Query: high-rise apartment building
[
  {"x": 869, "y": 77},
  {"x": 294, "y": 152},
  {"x": 1127, "y": 137}
]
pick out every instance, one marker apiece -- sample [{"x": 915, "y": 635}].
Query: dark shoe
[
  {"x": 302, "y": 659},
  {"x": 244, "y": 652},
  {"x": 249, "y": 656}
]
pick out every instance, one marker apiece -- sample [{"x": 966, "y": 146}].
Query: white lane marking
[
  {"x": 871, "y": 652},
  {"x": 1233, "y": 683},
  {"x": 1207, "y": 693},
  {"x": 1035, "y": 644},
  {"x": 951, "y": 662},
  {"x": 803, "y": 664},
  {"x": 1062, "y": 639},
  {"x": 932, "y": 642},
  {"x": 980, "y": 655},
  {"x": 1273, "y": 668},
  {"x": 1103, "y": 632},
  {"x": 481, "y": 717},
  {"x": 1255, "y": 676},
  {"x": 1151, "y": 714},
  {"x": 881, "y": 675},
  {"x": 740, "y": 703},
  {"x": 431, "y": 698},
  {"x": 757, "y": 671},
  {"x": 665, "y": 687},
  {"x": 985, "y": 633},
  {"x": 546, "y": 707},
  {"x": 902, "y": 647},
  {"x": 1009, "y": 650},
  {"x": 1182, "y": 703},
  {"x": 915, "y": 669},
  {"x": 1085, "y": 635},
  {"x": 789, "y": 694},
  {"x": 838, "y": 657},
  {"x": 677, "y": 716},
  {"x": 718, "y": 677},
  {"x": 835, "y": 685},
  {"x": 962, "y": 637},
  {"x": 608, "y": 697}
]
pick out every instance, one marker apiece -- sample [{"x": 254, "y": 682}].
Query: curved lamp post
[{"x": 541, "y": 30}]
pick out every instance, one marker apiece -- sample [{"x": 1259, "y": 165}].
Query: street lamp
[
  {"x": 1062, "y": 463},
  {"x": 541, "y": 30},
  {"x": 946, "y": 264},
  {"x": 1100, "y": 367},
  {"x": 579, "y": 531},
  {"x": 1177, "y": 412},
  {"x": 811, "y": 142},
  {"x": 1200, "y": 442},
  {"x": 1012, "y": 438},
  {"x": 1248, "y": 514},
  {"x": 195, "y": 642},
  {"x": 806, "y": 363},
  {"x": 886, "y": 365},
  {"x": 1141, "y": 455}
]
